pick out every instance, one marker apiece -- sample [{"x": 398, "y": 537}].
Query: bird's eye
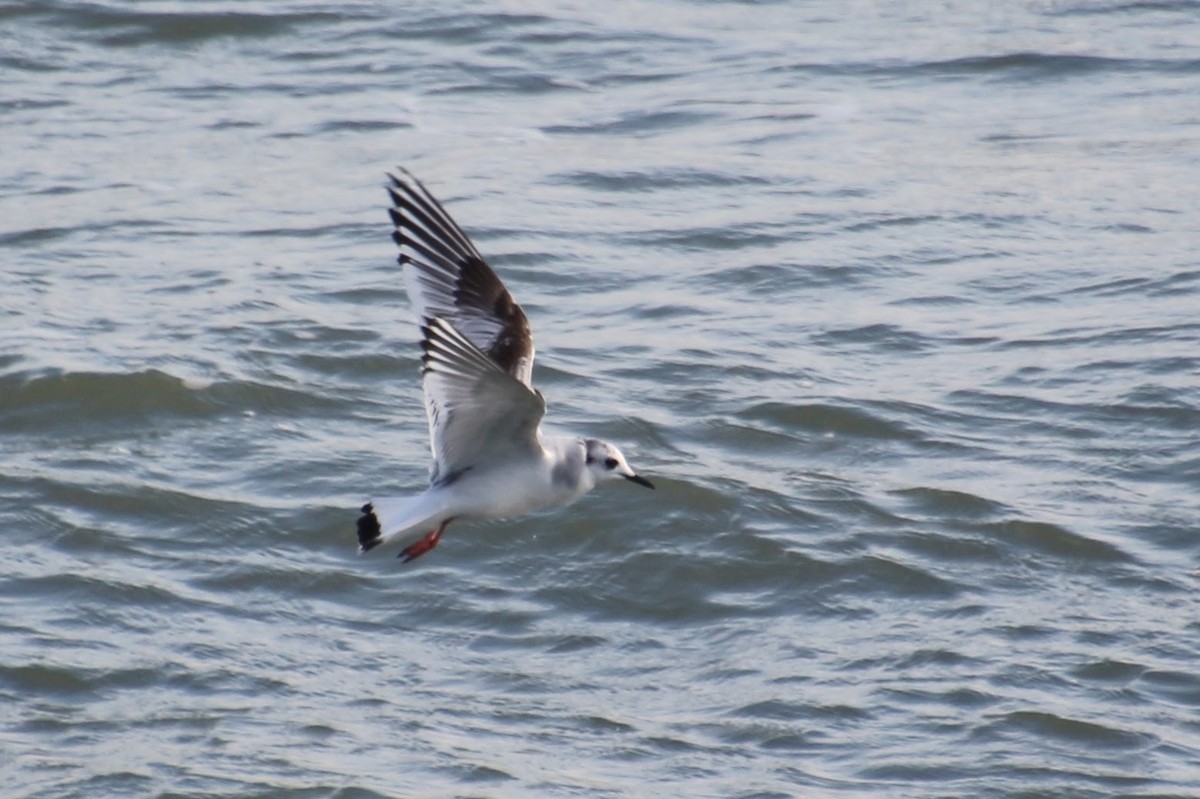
[{"x": 610, "y": 463}]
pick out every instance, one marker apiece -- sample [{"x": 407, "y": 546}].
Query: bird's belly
[{"x": 506, "y": 493}]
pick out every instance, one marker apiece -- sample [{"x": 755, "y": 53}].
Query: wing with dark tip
[
  {"x": 448, "y": 279},
  {"x": 477, "y": 411}
]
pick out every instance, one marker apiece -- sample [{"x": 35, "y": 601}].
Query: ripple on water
[
  {"x": 1173, "y": 686},
  {"x": 1056, "y": 730},
  {"x": 56, "y": 399},
  {"x": 817, "y": 418},
  {"x": 125, "y": 27},
  {"x": 1054, "y": 540},
  {"x": 657, "y": 179}
]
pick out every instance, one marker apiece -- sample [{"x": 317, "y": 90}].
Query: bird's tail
[{"x": 388, "y": 517}]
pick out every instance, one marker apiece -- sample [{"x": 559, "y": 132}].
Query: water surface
[{"x": 898, "y": 307}]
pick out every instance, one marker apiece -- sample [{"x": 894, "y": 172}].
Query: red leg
[{"x": 420, "y": 547}]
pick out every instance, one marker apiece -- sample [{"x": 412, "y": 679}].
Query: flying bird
[{"x": 491, "y": 459}]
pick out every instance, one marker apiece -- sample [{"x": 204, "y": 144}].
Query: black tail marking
[{"x": 369, "y": 530}]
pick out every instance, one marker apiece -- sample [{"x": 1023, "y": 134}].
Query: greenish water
[{"x": 897, "y": 307}]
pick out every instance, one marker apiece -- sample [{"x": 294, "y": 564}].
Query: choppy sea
[{"x": 898, "y": 304}]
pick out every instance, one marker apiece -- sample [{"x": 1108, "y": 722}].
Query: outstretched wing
[
  {"x": 477, "y": 411},
  {"x": 447, "y": 278}
]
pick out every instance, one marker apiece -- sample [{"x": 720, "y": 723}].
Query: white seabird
[{"x": 490, "y": 457}]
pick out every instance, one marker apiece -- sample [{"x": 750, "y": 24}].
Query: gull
[{"x": 491, "y": 459}]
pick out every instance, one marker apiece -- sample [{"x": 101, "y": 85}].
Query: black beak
[{"x": 637, "y": 478}]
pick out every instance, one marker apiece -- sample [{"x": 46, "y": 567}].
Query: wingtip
[
  {"x": 403, "y": 179},
  {"x": 399, "y": 176}
]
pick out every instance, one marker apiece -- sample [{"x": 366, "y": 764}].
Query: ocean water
[{"x": 898, "y": 304}]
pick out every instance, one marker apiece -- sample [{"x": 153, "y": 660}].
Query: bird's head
[{"x": 606, "y": 462}]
